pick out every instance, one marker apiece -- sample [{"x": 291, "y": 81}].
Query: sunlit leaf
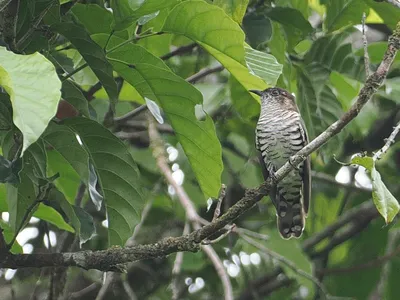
[{"x": 34, "y": 89}]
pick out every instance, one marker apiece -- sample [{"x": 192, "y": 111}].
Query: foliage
[{"x": 75, "y": 83}]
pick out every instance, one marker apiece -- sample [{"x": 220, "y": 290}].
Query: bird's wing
[{"x": 306, "y": 174}]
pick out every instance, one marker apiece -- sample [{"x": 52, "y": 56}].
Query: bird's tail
[{"x": 291, "y": 216}]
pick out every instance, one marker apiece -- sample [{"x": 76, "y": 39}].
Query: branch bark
[{"x": 110, "y": 259}]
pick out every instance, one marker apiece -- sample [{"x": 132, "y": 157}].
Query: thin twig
[
  {"x": 179, "y": 51},
  {"x": 131, "y": 114},
  {"x": 221, "y": 198},
  {"x": 286, "y": 262},
  {"x": 203, "y": 73},
  {"x": 389, "y": 141},
  {"x": 176, "y": 269},
  {"x": 365, "y": 44}
]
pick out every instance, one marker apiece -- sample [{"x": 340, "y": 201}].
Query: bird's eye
[{"x": 275, "y": 93}]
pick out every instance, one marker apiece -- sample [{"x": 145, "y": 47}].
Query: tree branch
[
  {"x": 109, "y": 259},
  {"x": 389, "y": 141}
]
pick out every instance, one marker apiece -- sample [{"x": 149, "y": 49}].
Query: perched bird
[{"x": 280, "y": 133}]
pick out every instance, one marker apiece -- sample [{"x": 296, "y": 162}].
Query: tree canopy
[{"x": 128, "y": 168}]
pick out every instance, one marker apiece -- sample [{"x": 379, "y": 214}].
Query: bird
[{"x": 281, "y": 133}]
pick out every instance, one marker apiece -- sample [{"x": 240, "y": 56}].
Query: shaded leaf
[
  {"x": 258, "y": 29},
  {"x": 334, "y": 53},
  {"x": 89, "y": 15},
  {"x": 8, "y": 234},
  {"x": 34, "y": 89},
  {"x": 118, "y": 177},
  {"x": 342, "y": 13}
]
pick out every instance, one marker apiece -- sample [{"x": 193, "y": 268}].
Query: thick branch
[{"x": 106, "y": 260}]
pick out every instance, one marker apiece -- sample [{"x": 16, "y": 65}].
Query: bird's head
[{"x": 277, "y": 97}]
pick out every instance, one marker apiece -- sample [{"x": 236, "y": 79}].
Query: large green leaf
[
  {"x": 92, "y": 53},
  {"x": 234, "y": 8},
  {"x": 34, "y": 89},
  {"x": 153, "y": 80},
  {"x": 118, "y": 176},
  {"x": 342, "y": 13},
  {"x": 209, "y": 26}
]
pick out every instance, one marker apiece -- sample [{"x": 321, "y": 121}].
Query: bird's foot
[
  {"x": 271, "y": 173},
  {"x": 292, "y": 164}
]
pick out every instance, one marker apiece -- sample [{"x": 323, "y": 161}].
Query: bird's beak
[{"x": 257, "y": 92}]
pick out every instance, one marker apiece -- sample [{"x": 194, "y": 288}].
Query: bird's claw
[
  {"x": 271, "y": 173},
  {"x": 292, "y": 164}
]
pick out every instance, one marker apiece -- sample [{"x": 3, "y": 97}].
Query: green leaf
[
  {"x": 69, "y": 180},
  {"x": 343, "y": 13},
  {"x": 234, "y": 8},
  {"x": 153, "y": 80},
  {"x": 34, "y": 89},
  {"x": 263, "y": 65},
  {"x": 79, "y": 218},
  {"x": 73, "y": 95},
  {"x": 210, "y": 27},
  {"x": 127, "y": 13},
  {"x": 8, "y": 234},
  {"x": 49, "y": 214},
  {"x": 118, "y": 176},
  {"x": 384, "y": 201},
  {"x": 296, "y": 27},
  {"x": 258, "y": 29},
  {"x": 376, "y": 52},
  {"x": 63, "y": 140},
  {"x": 278, "y": 43},
  {"x": 89, "y": 15},
  {"x": 366, "y": 161},
  {"x": 92, "y": 53}
]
